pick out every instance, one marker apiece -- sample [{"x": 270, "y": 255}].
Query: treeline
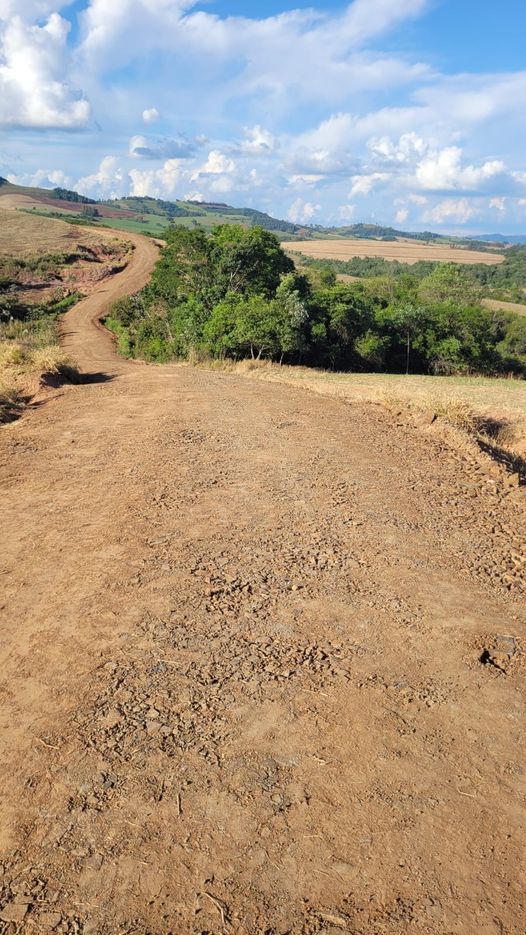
[
  {"x": 236, "y": 294},
  {"x": 65, "y": 194},
  {"x": 508, "y": 277}
]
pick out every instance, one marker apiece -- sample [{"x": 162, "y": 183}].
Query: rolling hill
[
  {"x": 141, "y": 215},
  {"x": 152, "y": 216}
]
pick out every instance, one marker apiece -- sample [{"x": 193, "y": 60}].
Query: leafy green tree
[
  {"x": 449, "y": 283},
  {"x": 344, "y": 314},
  {"x": 235, "y": 293},
  {"x": 247, "y": 262},
  {"x": 258, "y": 327},
  {"x": 513, "y": 345},
  {"x": 184, "y": 268},
  {"x": 372, "y": 349},
  {"x": 291, "y": 315},
  {"x": 220, "y": 331}
]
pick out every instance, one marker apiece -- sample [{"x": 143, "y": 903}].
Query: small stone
[
  {"x": 111, "y": 719},
  {"x": 94, "y": 862},
  {"x": 50, "y": 920},
  {"x": 429, "y": 417},
  {"x": 14, "y": 912}
]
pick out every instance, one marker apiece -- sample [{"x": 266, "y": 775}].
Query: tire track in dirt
[{"x": 262, "y": 663}]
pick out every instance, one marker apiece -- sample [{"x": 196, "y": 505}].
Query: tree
[
  {"x": 345, "y": 313},
  {"x": 513, "y": 345},
  {"x": 290, "y": 312},
  {"x": 184, "y": 268},
  {"x": 409, "y": 320},
  {"x": 372, "y": 349},
  {"x": 247, "y": 262},
  {"x": 449, "y": 283}
]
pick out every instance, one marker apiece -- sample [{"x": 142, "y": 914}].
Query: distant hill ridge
[
  {"x": 153, "y": 215},
  {"x": 500, "y": 238}
]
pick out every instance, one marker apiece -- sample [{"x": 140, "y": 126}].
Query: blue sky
[{"x": 408, "y": 113}]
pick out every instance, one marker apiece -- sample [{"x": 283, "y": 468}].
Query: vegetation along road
[{"x": 261, "y": 656}]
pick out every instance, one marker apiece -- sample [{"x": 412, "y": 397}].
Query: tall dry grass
[{"x": 22, "y": 370}]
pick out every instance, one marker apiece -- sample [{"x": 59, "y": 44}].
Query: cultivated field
[
  {"x": 404, "y": 251},
  {"x": 24, "y": 235},
  {"x": 497, "y": 304}
]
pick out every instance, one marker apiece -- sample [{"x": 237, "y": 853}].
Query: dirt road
[{"x": 261, "y": 663}]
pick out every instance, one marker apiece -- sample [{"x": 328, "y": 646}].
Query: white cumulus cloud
[
  {"x": 109, "y": 181},
  {"x": 364, "y": 184},
  {"x": 444, "y": 171},
  {"x": 302, "y": 211},
  {"x": 499, "y": 204},
  {"x": 34, "y": 91},
  {"x": 347, "y": 212},
  {"x": 450, "y": 209},
  {"x": 217, "y": 164},
  {"x": 158, "y": 183},
  {"x": 257, "y": 142},
  {"x": 150, "y": 115}
]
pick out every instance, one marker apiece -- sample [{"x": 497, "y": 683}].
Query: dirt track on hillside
[{"x": 261, "y": 662}]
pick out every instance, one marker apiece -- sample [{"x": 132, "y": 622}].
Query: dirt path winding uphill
[
  {"x": 88, "y": 342},
  {"x": 261, "y": 663}
]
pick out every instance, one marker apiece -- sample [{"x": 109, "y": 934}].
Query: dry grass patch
[
  {"x": 496, "y": 305},
  {"x": 26, "y": 235},
  {"x": 23, "y": 371}
]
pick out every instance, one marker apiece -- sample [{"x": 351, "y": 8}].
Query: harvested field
[
  {"x": 10, "y": 199},
  {"x": 24, "y": 235},
  {"x": 498, "y": 304},
  {"x": 405, "y": 252}
]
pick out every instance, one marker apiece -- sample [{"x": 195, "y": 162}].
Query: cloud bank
[{"x": 302, "y": 113}]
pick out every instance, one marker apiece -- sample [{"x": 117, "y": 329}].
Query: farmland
[
  {"x": 150, "y": 216},
  {"x": 409, "y": 252},
  {"x": 24, "y": 235}
]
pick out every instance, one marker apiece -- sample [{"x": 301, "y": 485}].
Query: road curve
[{"x": 82, "y": 335}]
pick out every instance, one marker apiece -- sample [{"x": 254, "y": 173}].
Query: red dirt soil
[
  {"x": 261, "y": 659},
  {"x": 77, "y": 206}
]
